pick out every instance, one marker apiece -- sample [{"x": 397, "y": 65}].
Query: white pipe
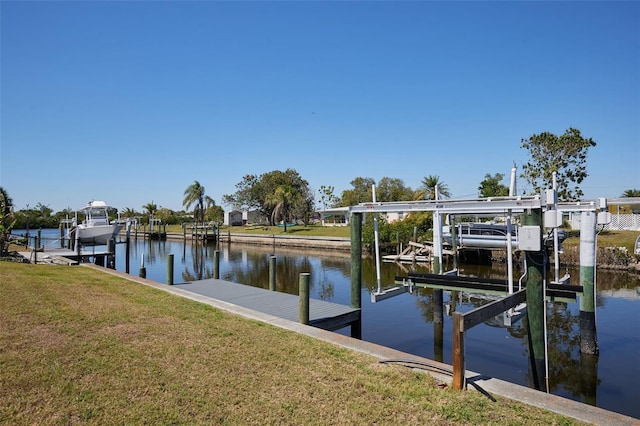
[
  {"x": 437, "y": 235},
  {"x": 376, "y": 240},
  {"x": 512, "y": 190},
  {"x": 512, "y": 183},
  {"x": 556, "y": 255}
]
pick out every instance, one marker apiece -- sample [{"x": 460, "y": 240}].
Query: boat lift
[{"x": 506, "y": 206}]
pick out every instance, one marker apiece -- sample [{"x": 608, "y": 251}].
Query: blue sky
[{"x": 130, "y": 102}]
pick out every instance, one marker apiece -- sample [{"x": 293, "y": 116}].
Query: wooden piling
[
  {"x": 304, "y": 297},
  {"x": 127, "y": 253},
  {"x": 458, "y": 351},
  {"x": 536, "y": 303},
  {"x": 216, "y": 264},
  {"x": 143, "y": 271},
  {"x": 111, "y": 254},
  {"x": 588, "y": 335},
  {"x": 170, "y": 269},
  {"x": 272, "y": 273}
]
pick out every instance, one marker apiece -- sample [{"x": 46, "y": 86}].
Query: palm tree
[
  {"x": 427, "y": 189},
  {"x": 6, "y": 215},
  {"x": 129, "y": 212},
  {"x": 194, "y": 195},
  {"x": 630, "y": 193},
  {"x": 281, "y": 201},
  {"x": 151, "y": 208}
]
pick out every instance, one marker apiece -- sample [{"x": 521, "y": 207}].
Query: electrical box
[
  {"x": 604, "y": 218},
  {"x": 552, "y": 218},
  {"x": 529, "y": 238},
  {"x": 550, "y": 197},
  {"x": 602, "y": 203}
]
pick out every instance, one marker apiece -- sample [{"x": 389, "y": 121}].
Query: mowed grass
[
  {"x": 81, "y": 347},
  {"x": 625, "y": 239}
]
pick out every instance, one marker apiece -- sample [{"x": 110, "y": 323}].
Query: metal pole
[
  {"x": 437, "y": 242},
  {"x": 454, "y": 241},
  {"x": 376, "y": 237},
  {"x": 556, "y": 254}
]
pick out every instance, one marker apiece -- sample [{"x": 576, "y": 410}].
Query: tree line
[{"x": 286, "y": 197}]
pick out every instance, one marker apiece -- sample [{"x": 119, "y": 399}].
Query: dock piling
[
  {"x": 536, "y": 303},
  {"x": 143, "y": 271},
  {"x": 588, "y": 335},
  {"x": 304, "y": 297},
  {"x": 216, "y": 264},
  {"x": 272, "y": 273},
  {"x": 356, "y": 271},
  {"x": 170, "y": 269}
]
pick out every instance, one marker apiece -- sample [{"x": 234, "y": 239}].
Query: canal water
[{"x": 406, "y": 322}]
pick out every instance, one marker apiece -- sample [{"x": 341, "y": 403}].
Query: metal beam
[
  {"x": 471, "y": 206},
  {"x": 479, "y": 206}
]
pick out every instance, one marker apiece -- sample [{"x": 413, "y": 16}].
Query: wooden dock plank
[{"x": 322, "y": 314}]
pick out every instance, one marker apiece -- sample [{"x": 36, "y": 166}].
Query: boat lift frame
[{"x": 546, "y": 203}]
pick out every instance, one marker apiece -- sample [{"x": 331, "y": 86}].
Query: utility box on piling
[{"x": 529, "y": 238}]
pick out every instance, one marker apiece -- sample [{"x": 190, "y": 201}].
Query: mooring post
[
  {"x": 170, "y": 269},
  {"x": 535, "y": 301},
  {"x": 184, "y": 231},
  {"x": 111, "y": 253},
  {"x": 356, "y": 271},
  {"x": 438, "y": 294},
  {"x": 588, "y": 335},
  {"x": 458, "y": 351},
  {"x": 127, "y": 254},
  {"x": 38, "y": 238},
  {"x": 61, "y": 229},
  {"x": 216, "y": 264},
  {"x": 272, "y": 273},
  {"x": 143, "y": 271},
  {"x": 304, "y": 297}
]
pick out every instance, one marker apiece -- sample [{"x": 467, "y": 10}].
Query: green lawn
[{"x": 82, "y": 347}]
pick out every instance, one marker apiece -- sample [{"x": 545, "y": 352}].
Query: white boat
[
  {"x": 487, "y": 235},
  {"x": 636, "y": 249},
  {"x": 481, "y": 235},
  {"x": 96, "y": 229}
]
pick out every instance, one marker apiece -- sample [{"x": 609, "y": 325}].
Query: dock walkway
[{"x": 322, "y": 314}]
